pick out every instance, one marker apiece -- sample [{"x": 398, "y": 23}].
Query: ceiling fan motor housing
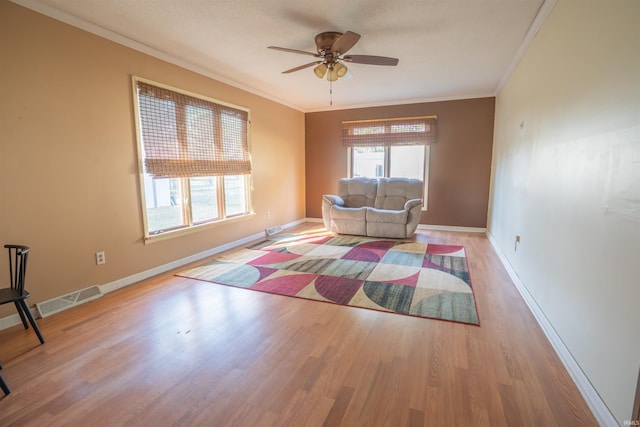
[{"x": 324, "y": 41}]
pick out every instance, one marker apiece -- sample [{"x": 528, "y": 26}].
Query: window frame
[{"x": 189, "y": 226}]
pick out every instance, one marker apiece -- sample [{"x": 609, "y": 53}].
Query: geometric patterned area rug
[{"x": 408, "y": 277}]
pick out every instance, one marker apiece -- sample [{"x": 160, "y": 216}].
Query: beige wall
[
  {"x": 568, "y": 182},
  {"x": 460, "y": 160},
  {"x": 68, "y": 157}
]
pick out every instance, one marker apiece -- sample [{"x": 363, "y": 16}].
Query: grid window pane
[
  {"x": 163, "y": 200},
  {"x": 204, "y": 198},
  {"x": 234, "y": 195},
  {"x": 368, "y": 161},
  {"x": 200, "y": 135},
  {"x": 407, "y": 161}
]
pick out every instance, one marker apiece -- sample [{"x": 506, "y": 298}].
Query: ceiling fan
[{"x": 331, "y": 47}]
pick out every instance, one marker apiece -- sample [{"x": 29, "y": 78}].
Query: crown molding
[
  {"x": 401, "y": 102},
  {"x": 541, "y": 17}
]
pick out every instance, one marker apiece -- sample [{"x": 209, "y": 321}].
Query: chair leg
[
  {"x": 25, "y": 307},
  {"x": 21, "y": 313},
  {"x": 3, "y": 384}
]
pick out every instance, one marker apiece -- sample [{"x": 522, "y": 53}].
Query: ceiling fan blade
[
  {"x": 286, "y": 49},
  {"x": 370, "y": 59},
  {"x": 301, "y": 67},
  {"x": 345, "y": 42}
]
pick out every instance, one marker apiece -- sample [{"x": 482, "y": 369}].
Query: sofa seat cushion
[
  {"x": 349, "y": 220},
  {"x": 389, "y": 216}
]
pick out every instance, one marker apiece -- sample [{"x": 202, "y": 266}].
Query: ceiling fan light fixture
[
  {"x": 340, "y": 69},
  {"x": 320, "y": 70},
  {"x": 332, "y": 75}
]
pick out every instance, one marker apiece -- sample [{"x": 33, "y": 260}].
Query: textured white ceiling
[{"x": 448, "y": 49}]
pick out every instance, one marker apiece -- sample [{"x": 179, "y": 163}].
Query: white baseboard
[
  {"x": 14, "y": 319},
  {"x": 451, "y": 228},
  {"x": 589, "y": 393},
  {"x": 314, "y": 219}
]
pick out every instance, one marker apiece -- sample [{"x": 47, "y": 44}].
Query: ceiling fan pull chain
[{"x": 330, "y": 92}]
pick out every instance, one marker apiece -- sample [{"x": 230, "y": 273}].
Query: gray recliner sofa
[{"x": 376, "y": 207}]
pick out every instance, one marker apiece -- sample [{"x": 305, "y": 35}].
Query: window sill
[{"x": 196, "y": 228}]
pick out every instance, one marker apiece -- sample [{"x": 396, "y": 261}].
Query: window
[
  {"x": 194, "y": 159},
  {"x": 390, "y": 147}
]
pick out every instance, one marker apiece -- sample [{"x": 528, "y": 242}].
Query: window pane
[
  {"x": 232, "y": 136},
  {"x": 163, "y": 199},
  {"x": 200, "y": 135},
  {"x": 235, "y": 194},
  {"x": 368, "y": 161},
  {"x": 407, "y": 161},
  {"x": 158, "y": 123},
  {"x": 204, "y": 201}
]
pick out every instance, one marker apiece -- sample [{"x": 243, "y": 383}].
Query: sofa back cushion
[
  {"x": 393, "y": 193},
  {"x": 357, "y": 192}
]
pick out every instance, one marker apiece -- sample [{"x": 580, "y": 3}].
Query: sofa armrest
[
  {"x": 332, "y": 199},
  {"x": 410, "y": 204},
  {"x": 328, "y": 201},
  {"x": 414, "y": 208}
]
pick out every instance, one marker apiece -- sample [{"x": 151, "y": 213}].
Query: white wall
[{"x": 568, "y": 182}]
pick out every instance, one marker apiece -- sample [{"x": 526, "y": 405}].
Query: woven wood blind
[
  {"x": 185, "y": 136},
  {"x": 389, "y": 132}
]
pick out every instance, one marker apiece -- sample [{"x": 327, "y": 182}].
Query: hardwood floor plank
[
  {"x": 513, "y": 414},
  {"x": 416, "y": 418},
  {"x": 339, "y": 407},
  {"x": 176, "y": 351}
]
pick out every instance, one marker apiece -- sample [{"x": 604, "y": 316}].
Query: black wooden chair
[
  {"x": 17, "y": 294},
  {"x": 3, "y": 384}
]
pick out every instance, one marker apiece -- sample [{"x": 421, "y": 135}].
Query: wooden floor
[{"x": 174, "y": 351}]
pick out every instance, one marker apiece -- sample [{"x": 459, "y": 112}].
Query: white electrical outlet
[{"x": 100, "y": 258}]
